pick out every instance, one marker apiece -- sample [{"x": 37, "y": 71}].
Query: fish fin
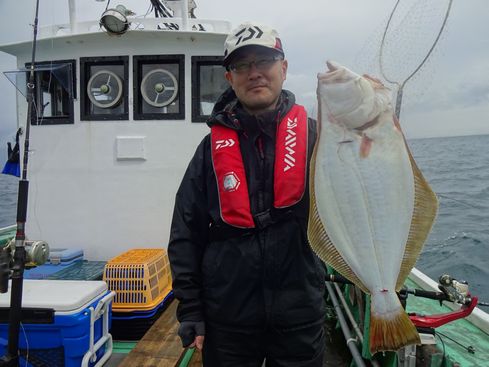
[
  {"x": 318, "y": 237},
  {"x": 392, "y": 333},
  {"x": 424, "y": 214}
]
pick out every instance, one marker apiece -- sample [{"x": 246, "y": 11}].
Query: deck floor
[{"x": 160, "y": 346}]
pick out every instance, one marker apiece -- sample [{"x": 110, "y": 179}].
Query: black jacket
[{"x": 237, "y": 278}]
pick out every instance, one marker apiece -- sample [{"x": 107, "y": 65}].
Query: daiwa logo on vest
[
  {"x": 231, "y": 182},
  {"x": 290, "y": 143},
  {"x": 224, "y": 143}
]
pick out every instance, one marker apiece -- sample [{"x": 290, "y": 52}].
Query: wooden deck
[{"x": 161, "y": 346}]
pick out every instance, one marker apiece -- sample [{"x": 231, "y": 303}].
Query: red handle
[{"x": 434, "y": 321}]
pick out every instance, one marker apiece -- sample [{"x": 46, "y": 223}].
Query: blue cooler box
[
  {"x": 59, "y": 259},
  {"x": 65, "y": 323}
]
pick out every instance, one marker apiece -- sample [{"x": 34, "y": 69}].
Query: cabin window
[
  {"x": 54, "y": 91},
  {"x": 208, "y": 83},
  {"x": 104, "y": 88},
  {"x": 159, "y": 87}
]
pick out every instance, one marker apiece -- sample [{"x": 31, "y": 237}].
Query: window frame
[
  {"x": 85, "y": 64},
  {"x": 137, "y": 68},
  {"x": 55, "y": 120},
  {"x": 198, "y": 61}
]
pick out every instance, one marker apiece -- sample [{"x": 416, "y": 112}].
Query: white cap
[{"x": 251, "y": 34}]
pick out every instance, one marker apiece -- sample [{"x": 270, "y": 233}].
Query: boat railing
[
  {"x": 139, "y": 24},
  {"x": 6, "y": 233}
]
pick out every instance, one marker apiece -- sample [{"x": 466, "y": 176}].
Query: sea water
[{"x": 458, "y": 170}]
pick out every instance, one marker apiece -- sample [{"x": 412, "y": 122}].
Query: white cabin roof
[{"x": 55, "y": 36}]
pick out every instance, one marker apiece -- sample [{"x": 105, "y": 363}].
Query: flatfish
[{"x": 371, "y": 208}]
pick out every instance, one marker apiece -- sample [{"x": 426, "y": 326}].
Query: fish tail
[{"x": 392, "y": 333}]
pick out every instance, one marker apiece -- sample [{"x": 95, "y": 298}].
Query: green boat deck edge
[
  {"x": 6, "y": 234},
  {"x": 472, "y": 331}
]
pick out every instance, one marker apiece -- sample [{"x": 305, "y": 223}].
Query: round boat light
[{"x": 114, "y": 21}]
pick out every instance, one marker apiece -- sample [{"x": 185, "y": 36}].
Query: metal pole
[
  {"x": 399, "y": 101},
  {"x": 350, "y": 342},
  {"x": 352, "y": 320},
  {"x": 184, "y": 4},
  {"x": 348, "y": 313},
  {"x": 72, "y": 11},
  {"x": 15, "y": 315}
]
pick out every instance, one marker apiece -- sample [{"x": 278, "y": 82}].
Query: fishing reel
[
  {"x": 452, "y": 291},
  {"x": 456, "y": 291},
  {"x": 37, "y": 253}
]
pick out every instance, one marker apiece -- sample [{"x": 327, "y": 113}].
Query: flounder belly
[
  {"x": 371, "y": 208},
  {"x": 366, "y": 201}
]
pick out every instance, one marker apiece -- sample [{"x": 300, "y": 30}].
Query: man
[{"x": 249, "y": 286}]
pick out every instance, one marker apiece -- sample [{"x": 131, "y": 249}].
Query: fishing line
[
  {"x": 34, "y": 175},
  {"x": 38, "y": 82},
  {"x": 40, "y": 121},
  {"x": 469, "y": 349},
  {"x": 443, "y": 344},
  {"x": 26, "y": 344},
  {"x": 36, "y": 216},
  {"x": 472, "y": 206},
  {"x": 137, "y": 26},
  {"x": 40, "y": 117}
]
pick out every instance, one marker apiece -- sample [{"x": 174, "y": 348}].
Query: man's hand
[{"x": 192, "y": 334}]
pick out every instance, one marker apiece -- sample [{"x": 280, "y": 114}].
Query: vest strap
[
  {"x": 291, "y": 158},
  {"x": 221, "y": 232},
  {"x": 230, "y": 174}
]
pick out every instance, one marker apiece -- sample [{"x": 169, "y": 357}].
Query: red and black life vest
[{"x": 289, "y": 172}]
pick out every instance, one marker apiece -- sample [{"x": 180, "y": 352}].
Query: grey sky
[{"x": 450, "y": 96}]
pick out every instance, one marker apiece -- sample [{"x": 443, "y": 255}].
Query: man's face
[{"x": 256, "y": 77}]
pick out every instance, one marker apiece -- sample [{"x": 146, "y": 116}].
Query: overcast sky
[{"x": 450, "y": 96}]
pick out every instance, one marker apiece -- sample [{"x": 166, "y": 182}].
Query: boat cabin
[{"x": 117, "y": 118}]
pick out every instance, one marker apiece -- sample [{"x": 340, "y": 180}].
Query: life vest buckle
[{"x": 263, "y": 219}]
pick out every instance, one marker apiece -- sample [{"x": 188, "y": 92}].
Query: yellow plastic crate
[{"x": 141, "y": 279}]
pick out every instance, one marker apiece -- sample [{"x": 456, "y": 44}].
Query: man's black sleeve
[
  {"x": 313, "y": 134},
  {"x": 189, "y": 235}
]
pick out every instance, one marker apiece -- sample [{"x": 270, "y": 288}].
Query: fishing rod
[
  {"x": 450, "y": 290},
  {"x": 12, "y": 356}
]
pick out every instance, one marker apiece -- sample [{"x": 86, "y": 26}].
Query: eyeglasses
[{"x": 261, "y": 64}]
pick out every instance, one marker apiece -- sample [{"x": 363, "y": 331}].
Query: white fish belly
[{"x": 366, "y": 204}]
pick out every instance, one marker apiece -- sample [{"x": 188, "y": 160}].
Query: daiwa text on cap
[{"x": 251, "y": 34}]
